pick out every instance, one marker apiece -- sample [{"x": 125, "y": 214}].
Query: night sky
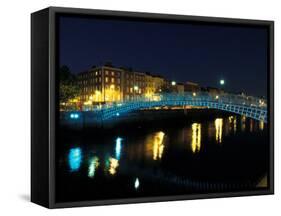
[{"x": 182, "y": 52}]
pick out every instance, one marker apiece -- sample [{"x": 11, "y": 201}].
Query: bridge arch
[{"x": 249, "y": 107}]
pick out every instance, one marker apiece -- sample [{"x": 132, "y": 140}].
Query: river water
[{"x": 221, "y": 153}]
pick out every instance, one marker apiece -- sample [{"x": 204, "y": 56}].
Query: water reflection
[
  {"x": 261, "y": 125},
  {"x": 158, "y": 146},
  {"x": 94, "y": 164},
  {"x": 154, "y": 145},
  {"x": 74, "y": 159},
  {"x": 251, "y": 125},
  {"x": 113, "y": 164},
  {"x": 134, "y": 162},
  {"x": 218, "y": 126},
  {"x": 196, "y": 137},
  {"x": 137, "y": 183},
  {"x": 233, "y": 123},
  {"x": 118, "y": 147},
  {"x": 243, "y": 123}
]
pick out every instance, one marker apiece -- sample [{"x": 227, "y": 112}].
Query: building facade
[
  {"x": 110, "y": 84},
  {"x": 191, "y": 87},
  {"x": 101, "y": 84}
]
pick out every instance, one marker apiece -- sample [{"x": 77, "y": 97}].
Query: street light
[
  {"x": 222, "y": 82},
  {"x": 174, "y": 83}
]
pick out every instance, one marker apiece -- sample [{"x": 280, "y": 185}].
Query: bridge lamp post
[
  {"x": 222, "y": 82},
  {"x": 173, "y": 86}
]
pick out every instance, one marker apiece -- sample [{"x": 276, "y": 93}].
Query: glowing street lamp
[
  {"x": 137, "y": 183},
  {"x": 174, "y": 83},
  {"x": 222, "y": 82}
]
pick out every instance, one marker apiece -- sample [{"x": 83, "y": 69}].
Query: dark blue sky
[{"x": 181, "y": 52}]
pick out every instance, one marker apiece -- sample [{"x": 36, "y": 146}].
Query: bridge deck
[{"x": 251, "y": 107}]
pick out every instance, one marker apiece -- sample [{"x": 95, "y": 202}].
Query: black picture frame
[{"x": 44, "y": 106}]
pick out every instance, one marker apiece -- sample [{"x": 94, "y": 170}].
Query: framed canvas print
[{"x": 139, "y": 107}]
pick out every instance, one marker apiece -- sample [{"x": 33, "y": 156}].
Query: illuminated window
[
  {"x": 112, "y": 80},
  {"x": 112, "y": 73},
  {"x": 99, "y": 79},
  {"x": 106, "y": 72},
  {"x": 96, "y": 73},
  {"x": 106, "y": 79}
]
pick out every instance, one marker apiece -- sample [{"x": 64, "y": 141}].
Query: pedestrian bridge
[{"x": 252, "y": 107}]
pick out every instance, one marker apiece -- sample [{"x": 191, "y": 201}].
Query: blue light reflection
[
  {"x": 118, "y": 147},
  {"x": 75, "y": 159},
  {"x": 74, "y": 115}
]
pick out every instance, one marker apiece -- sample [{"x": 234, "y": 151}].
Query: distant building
[
  {"x": 101, "y": 84},
  {"x": 180, "y": 87},
  {"x": 214, "y": 91},
  {"x": 111, "y": 84},
  {"x": 191, "y": 87},
  {"x": 158, "y": 82},
  {"x": 133, "y": 84}
]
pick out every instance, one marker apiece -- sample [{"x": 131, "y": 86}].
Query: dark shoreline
[{"x": 151, "y": 118}]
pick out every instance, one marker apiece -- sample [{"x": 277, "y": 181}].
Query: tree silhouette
[{"x": 68, "y": 88}]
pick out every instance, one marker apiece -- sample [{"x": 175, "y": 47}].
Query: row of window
[
  {"x": 112, "y": 80},
  {"x": 115, "y": 87},
  {"x": 99, "y": 88},
  {"x": 96, "y": 73},
  {"x": 98, "y": 80},
  {"x": 115, "y": 81},
  {"x": 112, "y": 73}
]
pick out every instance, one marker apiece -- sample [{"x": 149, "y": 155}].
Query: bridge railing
[
  {"x": 198, "y": 96},
  {"x": 244, "y": 105}
]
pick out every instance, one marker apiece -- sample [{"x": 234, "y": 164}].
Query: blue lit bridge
[{"x": 252, "y": 107}]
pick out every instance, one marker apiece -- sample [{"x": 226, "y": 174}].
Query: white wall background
[{"x": 15, "y": 106}]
